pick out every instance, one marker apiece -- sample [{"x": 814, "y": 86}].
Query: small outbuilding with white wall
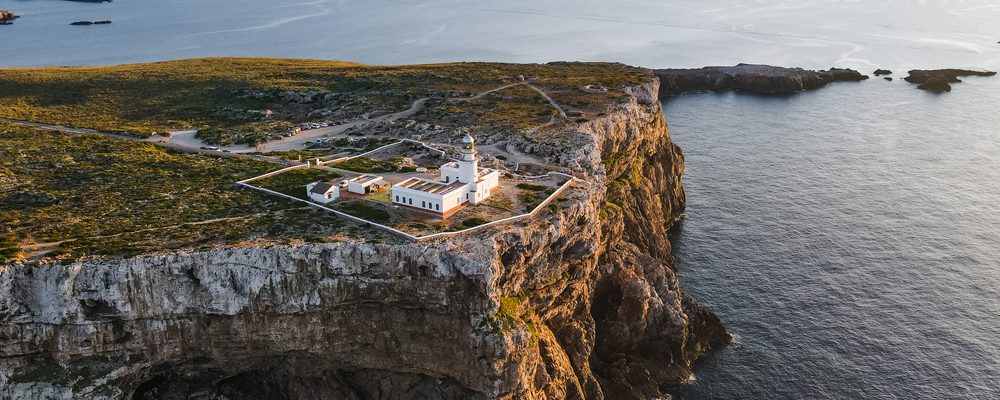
[
  {"x": 323, "y": 192},
  {"x": 364, "y": 184}
]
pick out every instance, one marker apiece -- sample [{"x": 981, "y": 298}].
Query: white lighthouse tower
[{"x": 468, "y": 164}]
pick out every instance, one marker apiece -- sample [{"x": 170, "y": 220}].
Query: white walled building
[
  {"x": 323, "y": 192},
  {"x": 363, "y": 184},
  {"x": 461, "y": 182}
]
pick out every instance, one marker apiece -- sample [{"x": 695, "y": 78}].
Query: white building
[
  {"x": 364, "y": 184},
  {"x": 461, "y": 182},
  {"x": 323, "y": 192}
]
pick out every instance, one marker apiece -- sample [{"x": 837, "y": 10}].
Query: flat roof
[
  {"x": 365, "y": 179},
  {"x": 429, "y": 186}
]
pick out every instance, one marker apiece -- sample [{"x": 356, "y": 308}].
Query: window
[
  {"x": 397, "y": 198},
  {"x": 423, "y": 204},
  {"x": 447, "y": 178},
  {"x": 410, "y": 201},
  {"x": 438, "y": 206}
]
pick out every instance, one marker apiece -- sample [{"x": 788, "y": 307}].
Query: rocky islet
[
  {"x": 753, "y": 78},
  {"x": 940, "y": 80}
]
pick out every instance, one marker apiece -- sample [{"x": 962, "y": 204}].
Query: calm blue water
[
  {"x": 849, "y": 237},
  {"x": 653, "y": 33}
]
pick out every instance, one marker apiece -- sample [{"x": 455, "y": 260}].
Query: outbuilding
[
  {"x": 365, "y": 184},
  {"x": 323, "y": 192}
]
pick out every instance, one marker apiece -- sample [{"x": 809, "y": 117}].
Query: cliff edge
[{"x": 581, "y": 302}]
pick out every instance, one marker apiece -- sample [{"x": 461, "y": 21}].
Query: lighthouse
[
  {"x": 462, "y": 182},
  {"x": 468, "y": 164}
]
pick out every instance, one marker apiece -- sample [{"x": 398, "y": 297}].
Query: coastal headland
[{"x": 133, "y": 270}]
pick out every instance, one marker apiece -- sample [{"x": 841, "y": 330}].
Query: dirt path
[
  {"x": 559, "y": 109},
  {"x": 562, "y": 113},
  {"x": 297, "y": 142},
  {"x": 478, "y": 96},
  {"x": 159, "y": 141},
  {"x": 186, "y": 141}
]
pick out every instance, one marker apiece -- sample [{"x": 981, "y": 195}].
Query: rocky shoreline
[
  {"x": 763, "y": 79},
  {"x": 940, "y": 80}
]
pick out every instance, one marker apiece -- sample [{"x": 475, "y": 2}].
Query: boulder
[
  {"x": 880, "y": 72},
  {"x": 7, "y": 16}
]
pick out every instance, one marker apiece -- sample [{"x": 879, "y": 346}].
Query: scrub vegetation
[
  {"x": 67, "y": 196},
  {"x": 368, "y": 165},
  {"x": 250, "y": 96}
]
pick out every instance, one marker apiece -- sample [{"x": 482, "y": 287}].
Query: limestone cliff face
[{"x": 581, "y": 302}]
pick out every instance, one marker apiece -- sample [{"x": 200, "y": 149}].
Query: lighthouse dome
[{"x": 468, "y": 139}]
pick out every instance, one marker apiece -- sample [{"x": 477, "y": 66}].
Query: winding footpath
[
  {"x": 298, "y": 141},
  {"x": 186, "y": 142}
]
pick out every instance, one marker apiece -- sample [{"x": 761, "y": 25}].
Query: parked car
[{"x": 213, "y": 148}]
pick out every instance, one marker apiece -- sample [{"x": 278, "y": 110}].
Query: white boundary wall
[{"x": 572, "y": 179}]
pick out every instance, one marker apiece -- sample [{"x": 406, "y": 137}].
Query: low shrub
[
  {"x": 532, "y": 187},
  {"x": 362, "y": 210},
  {"x": 368, "y": 165},
  {"x": 474, "y": 221}
]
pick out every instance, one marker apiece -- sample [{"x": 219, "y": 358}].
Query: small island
[
  {"x": 7, "y": 17},
  {"x": 940, "y": 80},
  {"x": 763, "y": 79},
  {"x": 85, "y": 23}
]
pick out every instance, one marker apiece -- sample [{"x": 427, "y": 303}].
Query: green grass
[{"x": 106, "y": 196}]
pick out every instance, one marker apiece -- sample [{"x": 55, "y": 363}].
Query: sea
[{"x": 849, "y": 237}]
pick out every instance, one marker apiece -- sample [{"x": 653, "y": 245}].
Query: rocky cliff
[
  {"x": 764, "y": 79},
  {"x": 582, "y": 302}
]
